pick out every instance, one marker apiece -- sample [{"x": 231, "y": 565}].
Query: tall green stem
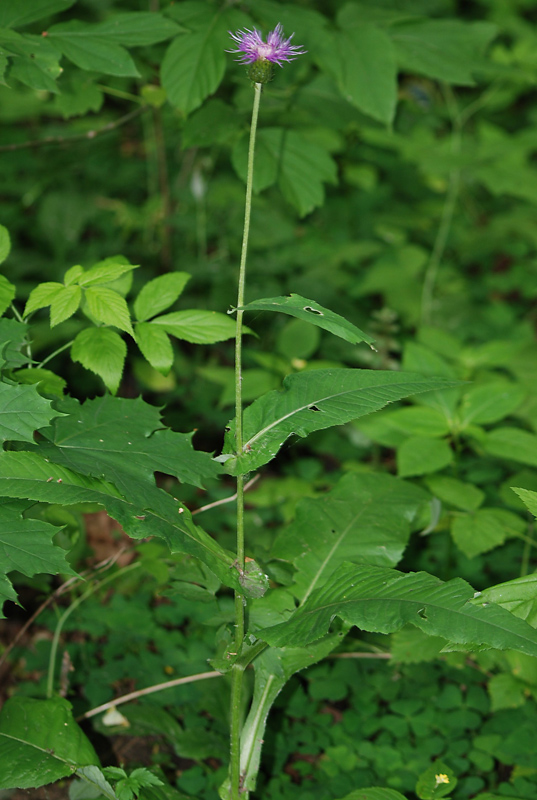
[{"x": 237, "y": 671}]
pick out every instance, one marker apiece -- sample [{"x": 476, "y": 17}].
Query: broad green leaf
[
  {"x": 26, "y": 546},
  {"x": 14, "y": 14},
  {"x": 300, "y": 166},
  {"x": 512, "y": 443},
  {"x": 194, "y": 63},
  {"x": 81, "y": 43},
  {"x": 64, "y": 304},
  {"x": 94, "y": 777},
  {"x": 482, "y": 405},
  {"x": 420, "y": 455},
  {"x": 104, "y": 272},
  {"x": 40, "y": 743},
  {"x": 273, "y": 668},
  {"x": 42, "y": 296},
  {"x": 27, "y": 475},
  {"x": 418, "y": 421},
  {"x": 37, "y": 63},
  {"x": 446, "y": 50},
  {"x": 412, "y": 646},
  {"x": 198, "y": 326},
  {"x": 155, "y": 346},
  {"x": 7, "y": 293},
  {"x": 364, "y": 519},
  {"x": 506, "y": 692},
  {"x": 13, "y": 337},
  {"x": 5, "y": 242},
  {"x": 486, "y": 529},
  {"x": 137, "y": 28},
  {"x": 124, "y": 442},
  {"x": 462, "y": 495},
  {"x": 518, "y": 596},
  {"x": 438, "y": 780},
  {"x": 529, "y": 499},
  {"x": 314, "y": 400},
  {"x": 102, "y": 351},
  {"x": 23, "y": 411},
  {"x": 72, "y": 275},
  {"x": 310, "y": 311},
  {"x": 48, "y": 382},
  {"x": 159, "y": 294},
  {"x": 108, "y": 307},
  {"x": 383, "y": 600},
  {"x": 366, "y": 72}
]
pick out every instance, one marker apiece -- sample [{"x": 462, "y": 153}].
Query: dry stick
[
  {"x": 108, "y": 562},
  {"x": 226, "y": 499},
  {"x": 158, "y": 687},
  {"x": 110, "y": 126}
]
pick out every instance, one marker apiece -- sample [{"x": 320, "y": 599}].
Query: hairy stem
[{"x": 237, "y": 671}]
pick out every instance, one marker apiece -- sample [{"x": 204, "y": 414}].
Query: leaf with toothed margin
[
  {"x": 383, "y": 600},
  {"x": 314, "y": 400},
  {"x": 27, "y": 475},
  {"x": 310, "y": 311},
  {"x": 23, "y": 411}
]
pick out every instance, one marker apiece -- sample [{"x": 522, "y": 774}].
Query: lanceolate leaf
[
  {"x": 310, "y": 311},
  {"x": 22, "y": 411},
  {"x": 26, "y": 546},
  {"x": 311, "y": 401},
  {"x": 155, "y": 345},
  {"x": 160, "y": 293},
  {"x": 365, "y": 518},
  {"x": 102, "y": 351},
  {"x": 85, "y": 46},
  {"x": 15, "y": 14},
  {"x": 383, "y": 600},
  {"x": 529, "y": 499},
  {"x": 40, "y": 743},
  {"x": 273, "y": 668},
  {"x": 27, "y": 475},
  {"x": 108, "y": 307},
  {"x": 198, "y": 326}
]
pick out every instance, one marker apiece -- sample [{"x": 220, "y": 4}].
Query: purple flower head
[{"x": 276, "y": 49}]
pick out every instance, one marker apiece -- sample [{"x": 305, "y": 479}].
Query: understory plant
[{"x": 331, "y": 569}]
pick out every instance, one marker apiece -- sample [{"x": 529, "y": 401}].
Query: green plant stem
[
  {"x": 55, "y": 353},
  {"x": 238, "y": 670},
  {"x": 67, "y": 613}
]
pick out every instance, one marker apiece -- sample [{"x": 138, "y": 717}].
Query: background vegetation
[{"x": 396, "y": 184}]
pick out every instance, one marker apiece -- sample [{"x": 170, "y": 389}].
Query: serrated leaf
[
  {"x": 81, "y": 43},
  {"x": 40, "y": 743},
  {"x": 159, "y": 294},
  {"x": 64, "y": 304},
  {"x": 366, "y": 72},
  {"x": 529, "y": 499},
  {"x": 42, "y": 296},
  {"x": 446, "y": 50},
  {"x": 26, "y": 546},
  {"x": 137, "y": 28},
  {"x": 37, "y": 64},
  {"x": 94, "y": 776},
  {"x": 12, "y": 339},
  {"x": 14, "y": 14},
  {"x": 28, "y": 475},
  {"x": 198, "y": 326},
  {"x": 104, "y": 272},
  {"x": 518, "y": 596},
  {"x": 102, "y": 351},
  {"x": 484, "y": 530},
  {"x": 7, "y": 293},
  {"x": 155, "y": 346},
  {"x": 124, "y": 442},
  {"x": 513, "y": 443},
  {"x": 194, "y": 63},
  {"x": 46, "y": 381},
  {"x": 300, "y": 166},
  {"x": 383, "y": 600},
  {"x": 482, "y": 405},
  {"x": 465, "y": 496},
  {"x": 72, "y": 275},
  {"x": 364, "y": 519},
  {"x": 109, "y": 307},
  {"x": 5, "y": 243},
  {"x": 420, "y": 455},
  {"x": 310, "y": 311},
  {"x": 23, "y": 411},
  {"x": 314, "y": 400}
]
